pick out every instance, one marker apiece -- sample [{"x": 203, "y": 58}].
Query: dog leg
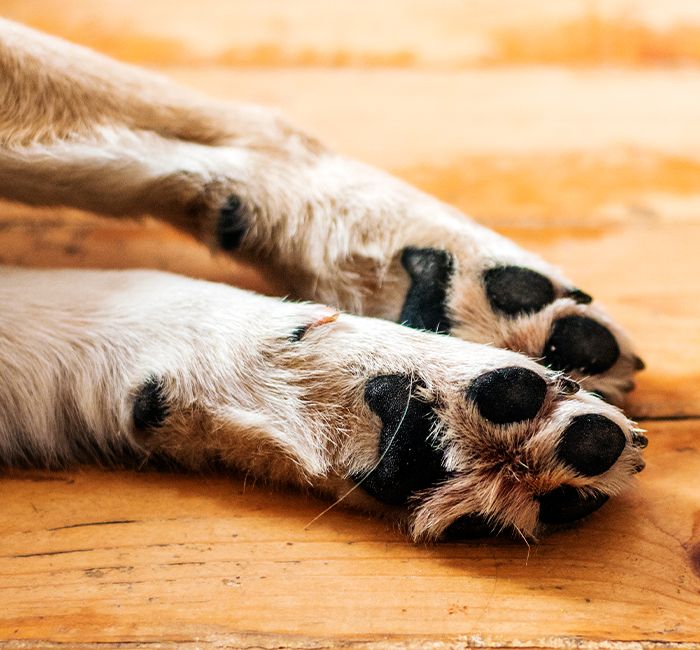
[
  {"x": 432, "y": 431},
  {"x": 113, "y": 139}
]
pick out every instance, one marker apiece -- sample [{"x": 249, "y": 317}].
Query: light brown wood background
[{"x": 572, "y": 126}]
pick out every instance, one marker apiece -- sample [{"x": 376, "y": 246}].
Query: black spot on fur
[
  {"x": 298, "y": 333},
  {"x": 639, "y": 363},
  {"x": 409, "y": 462},
  {"x": 232, "y": 224},
  {"x": 580, "y": 343},
  {"x": 430, "y": 271},
  {"x": 515, "y": 290},
  {"x": 581, "y": 297},
  {"x": 566, "y": 504},
  {"x": 150, "y": 409},
  {"x": 506, "y": 395},
  {"x": 591, "y": 444}
]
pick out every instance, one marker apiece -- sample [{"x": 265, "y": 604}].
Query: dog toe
[
  {"x": 507, "y": 395},
  {"x": 516, "y": 290},
  {"x": 591, "y": 444},
  {"x": 582, "y": 344}
]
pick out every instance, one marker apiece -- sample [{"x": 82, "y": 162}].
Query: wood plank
[
  {"x": 401, "y": 33},
  {"x": 98, "y": 557}
]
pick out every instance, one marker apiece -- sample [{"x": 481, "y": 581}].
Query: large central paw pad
[
  {"x": 507, "y": 395},
  {"x": 408, "y": 462}
]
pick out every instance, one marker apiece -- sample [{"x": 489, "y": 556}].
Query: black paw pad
[
  {"x": 408, "y": 460},
  {"x": 515, "y": 290},
  {"x": 469, "y": 527},
  {"x": 582, "y": 344},
  {"x": 232, "y": 224},
  {"x": 591, "y": 444},
  {"x": 506, "y": 395},
  {"x": 430, "y": 271},
  {"x": 639, "y": 467},
  {"x": 566, "y": 504},
  {"x": 150, "y": 408}
]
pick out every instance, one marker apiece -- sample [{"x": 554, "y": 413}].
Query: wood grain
[
  {"x": 595, "y": 167},
  {"x": 106, "y": 557}
]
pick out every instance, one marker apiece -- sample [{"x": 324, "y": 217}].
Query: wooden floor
[{"x": 573, "y": 127}]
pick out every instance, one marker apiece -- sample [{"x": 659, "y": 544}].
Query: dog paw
[
  {"x": 510, "y": 299},
  {"x": 511, "y": 448},
  {"x": 431, "y": 430}
]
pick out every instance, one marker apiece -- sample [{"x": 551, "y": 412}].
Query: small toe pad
[
  {"x": 515, "y": 290},
  {"x": 506, "y": 395},
  {"x": 591, "y": 444}
]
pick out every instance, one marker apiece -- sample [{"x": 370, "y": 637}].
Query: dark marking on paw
[
  {"x": 639, "y": 440},
  {"x": 568, "y": 386},
  {"x": 469, "y": 527},
  {"x": 506, "y": 395},
  {"x": 515, "y": 290},
  {"x": 409, "y": 462},
  {"x": 591, "y": 444},
  {"x": 150, "y": 408},
  {"x": 639, "y": 467},
  {"x": 232, "y": 224},
  {"x": 298, "y": 333},
  {"x": 628, "y": 387},
  {"x": 581, "y": 297},
  {"x": 567, "y": 504},
  {"x": 430, "y": 271},
  {"x": 580, "y": 343},
  {"x": 638, "y": 363}
]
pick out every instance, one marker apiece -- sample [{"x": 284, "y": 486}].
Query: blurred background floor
[{"x": 572, "y": 127}]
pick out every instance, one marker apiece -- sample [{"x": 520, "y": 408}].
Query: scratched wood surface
[{"x": 572, "y": 127}]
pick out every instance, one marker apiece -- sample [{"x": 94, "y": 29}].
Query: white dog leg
[{"x": 434, "y": 430}]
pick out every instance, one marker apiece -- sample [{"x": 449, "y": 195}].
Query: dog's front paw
[
  {"x": 480, "y": 450},
  {"x": 503, "y": 296},
  {"x": 432, "y": 430},
  {"x": 454, "y": 437}
]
